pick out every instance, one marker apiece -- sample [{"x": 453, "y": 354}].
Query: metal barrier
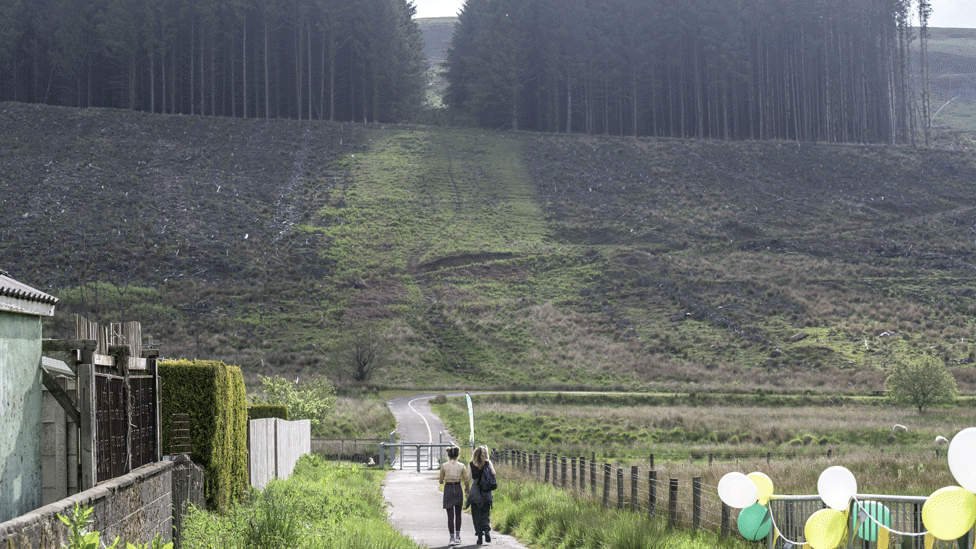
[
  {"x": 413, "y": 454},
  {"x": 905, "y": 529}
]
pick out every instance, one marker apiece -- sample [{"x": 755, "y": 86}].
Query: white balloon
[
  {"x": 737, "y": 490},
  {"x": 962, "y": 458},
  {"x": 836, "y": 487}
]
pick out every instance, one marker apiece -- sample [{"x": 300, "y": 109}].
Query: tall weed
[
  {"x": 543, "y": 516},
  {"x": 323, "y": 505}
]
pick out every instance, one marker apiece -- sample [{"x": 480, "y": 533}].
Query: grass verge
[
  {"x": 543, "y": 516},
  {"x": 791, "y": 444},
  {"x": 322, "y": 505}
]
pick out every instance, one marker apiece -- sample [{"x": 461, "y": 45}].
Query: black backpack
[{"x": 487, "y": 482}]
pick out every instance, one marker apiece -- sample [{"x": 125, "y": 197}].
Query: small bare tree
[{"x": 364, "y": 350}]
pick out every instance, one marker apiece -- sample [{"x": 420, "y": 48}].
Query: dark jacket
[{"x": 475, "y": 495}]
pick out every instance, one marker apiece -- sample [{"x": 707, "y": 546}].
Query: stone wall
[{"x": 135, "y": 507}]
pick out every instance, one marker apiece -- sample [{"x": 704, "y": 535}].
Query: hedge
[
  {"x": 263, "y": 411},
  {"x": 213, "y": 394}
]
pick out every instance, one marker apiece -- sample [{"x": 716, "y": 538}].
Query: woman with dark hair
[
  {"x": 451, "y": 476},
  {"x": 480, "y": 501}
]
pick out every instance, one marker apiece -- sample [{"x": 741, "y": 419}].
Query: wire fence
[
  {"x": 358, "y": 450},
  {"x": 692, "y": 503}
]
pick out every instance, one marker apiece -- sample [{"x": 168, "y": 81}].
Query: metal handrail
[{"x": 399, "y": 447}]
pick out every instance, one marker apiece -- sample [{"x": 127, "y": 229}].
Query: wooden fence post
[
  {"x": 696, "y": 493},
  {"x": 562, "y": 472},
  {"x": 593, "y": 478},
  {"x": 552, "y": 468},
  {"x": 634, "y": 472},
  {"x": 726, "y": 520},
  {"x": 606, "y": 485},
  {"x": 673, "y": 503},
  {"x": 573, "y": 466},
  {"x": 652, "y": 493},
  {"x": 582, "y": 474},
  {"x": 89, "y": 424},
  {"x": 620, "y": 487}
]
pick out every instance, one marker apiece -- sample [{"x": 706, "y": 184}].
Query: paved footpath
[{"x": 414, "y": 498}]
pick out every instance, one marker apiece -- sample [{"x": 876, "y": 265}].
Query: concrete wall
[
  {"x": 135, "y": 507},
  {"x": 274, "y": 447},
  {"x": 59, "y": 451},
  {"x": 20, "y": 414}
]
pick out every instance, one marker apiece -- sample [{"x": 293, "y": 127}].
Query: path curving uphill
[{"x": 414, "y": 497}]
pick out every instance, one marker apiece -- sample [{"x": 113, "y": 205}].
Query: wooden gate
[
  {"x": 126, "y": 397},
  {"x": 117, "y": 408}
]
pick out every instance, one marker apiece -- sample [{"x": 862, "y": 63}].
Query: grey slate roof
[{"x": 19, "y": 297}]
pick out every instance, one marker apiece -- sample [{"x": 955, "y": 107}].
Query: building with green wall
[{"x": 21, "y": 311}]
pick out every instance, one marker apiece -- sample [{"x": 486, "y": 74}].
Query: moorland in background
[
  {"x": 506, "y": 260},
  {"x": 498, "y": 259}
]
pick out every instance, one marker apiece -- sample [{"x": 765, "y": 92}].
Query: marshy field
[{"x": 791, "y": 442}]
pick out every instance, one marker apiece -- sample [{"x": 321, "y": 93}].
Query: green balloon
[
  {"x": 755, "y": 522},
  {"x": 878, "y": 515}
]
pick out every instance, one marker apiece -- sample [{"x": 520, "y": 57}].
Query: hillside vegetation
[{"x": 497, "y": 259}]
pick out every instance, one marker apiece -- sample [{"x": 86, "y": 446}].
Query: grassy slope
[
  {"x": 498, "y": 259},
  {"x": 437, "y": 33},
  {"x": 952, "y": 66}
]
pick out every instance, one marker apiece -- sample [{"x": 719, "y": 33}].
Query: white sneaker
[
  {"x": 457, "y": 538},
  {"x": 453, "y": 540}
]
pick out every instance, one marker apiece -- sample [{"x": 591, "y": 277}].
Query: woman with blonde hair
[
  {"x": 452, "y": 475},
  {"x": 480, "y": 501}
]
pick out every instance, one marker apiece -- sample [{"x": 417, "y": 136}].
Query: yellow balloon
[
  {"x": 763, "y": 484},
  {"x": 825, "y": 529},
  {"x": 949, "y": 512}
]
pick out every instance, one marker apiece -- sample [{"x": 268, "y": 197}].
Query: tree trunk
[{"x": 267, "y": 73}]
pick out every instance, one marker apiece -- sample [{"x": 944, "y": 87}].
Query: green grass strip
[
  {"x": 540, "y": 515},
  {"x": 323, "y": 504}
]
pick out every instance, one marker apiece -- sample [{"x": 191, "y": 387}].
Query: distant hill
[
  {"x": 437, "y": 36},
  {"x": 952, "y": 58},
  {"x": 498, "y": 259}
]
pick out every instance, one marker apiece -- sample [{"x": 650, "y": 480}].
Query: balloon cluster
[
  {"x": 947, "y": 514},
  {"x": 751, "y": 494}
]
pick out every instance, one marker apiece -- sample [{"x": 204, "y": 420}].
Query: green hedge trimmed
[
  {"x": 213, "y": 394},
  {"x": 263, "y": 411}
]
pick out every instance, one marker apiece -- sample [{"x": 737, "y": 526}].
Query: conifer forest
[
  {"x": 340, "y": 60},
  {"x": 805, "y": 70}
]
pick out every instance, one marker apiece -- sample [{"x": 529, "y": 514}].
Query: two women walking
[{"x": 453, "y": 475}]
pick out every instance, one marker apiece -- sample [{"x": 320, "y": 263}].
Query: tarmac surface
[{"x": 415, "y": 499}]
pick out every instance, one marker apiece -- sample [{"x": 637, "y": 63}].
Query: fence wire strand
[{"x": 692, "y": 503}]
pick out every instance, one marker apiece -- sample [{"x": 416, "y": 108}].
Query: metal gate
[{"x": 410, "y": 455}]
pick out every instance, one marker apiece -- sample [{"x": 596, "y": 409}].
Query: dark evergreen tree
[
  {"x": 286, "y": 58},
  {"x": 806, "y": 70}
]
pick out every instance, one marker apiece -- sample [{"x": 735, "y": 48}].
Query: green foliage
[
  {"x": 545, "y": 516},
  {"x": 213, "y": 394},
  {"x": 275, "y": 524},
  {"x": 80, "y": 537},
  {"x": 363, "y": 417},
  {"x": 322, "y": 505},
  {"x": 313, "y": 399},
  {"x": 261, "y": 411},
  {"x": 921, "y": 382},
  {"x": 156, "y": 543}
]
